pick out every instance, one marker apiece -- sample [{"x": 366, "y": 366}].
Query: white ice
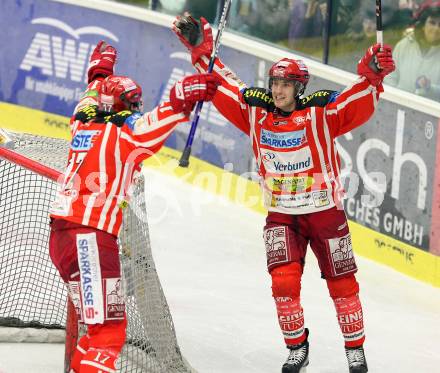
[{"x": 210, "y": 258}]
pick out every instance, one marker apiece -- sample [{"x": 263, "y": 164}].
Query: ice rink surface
[{"x": 210, "y": 258}]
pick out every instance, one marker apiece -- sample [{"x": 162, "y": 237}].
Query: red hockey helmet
[
  {"x": 117, "y": 93},
  {"x": 292, "y": 70}
]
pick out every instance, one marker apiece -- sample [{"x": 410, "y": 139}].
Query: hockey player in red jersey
[
  {"x": 110, "y": 139},
  {"x": 293, "y": 143}
]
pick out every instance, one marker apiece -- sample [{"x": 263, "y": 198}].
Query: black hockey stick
[
  {"x": 184, "y": 159},
  {"x": 379, "y": 29}
]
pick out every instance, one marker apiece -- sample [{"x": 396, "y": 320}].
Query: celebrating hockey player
[
  {"x": 110, "y": 139},
  {"x": 294, "y": 145}
]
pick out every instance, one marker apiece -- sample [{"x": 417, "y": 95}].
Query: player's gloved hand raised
[
  {"x": 193, "y": 88},
  {"x": 376, "y": 64},
  {"x": 102, "y": 61},
  {"x": 195, "y": 35}
]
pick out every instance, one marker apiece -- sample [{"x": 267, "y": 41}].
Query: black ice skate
[
  {"x": 298, "y": 358},
  {"x": 356, "y": 359}
]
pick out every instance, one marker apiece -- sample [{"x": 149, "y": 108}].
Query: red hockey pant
[
  {"x": 286, "y": 239},
  {"x": 99, "y": 349}
]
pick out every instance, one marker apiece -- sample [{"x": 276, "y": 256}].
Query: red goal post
[{"x": 29, "y": 164}]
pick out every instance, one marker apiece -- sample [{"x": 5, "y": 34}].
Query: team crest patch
[
  {"x": 275, "y": 240},
  {"x": 115, "y": 305},
  {"x": 341, "y": 255}
]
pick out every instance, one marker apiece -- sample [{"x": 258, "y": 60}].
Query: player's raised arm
[
  {"x": 101, "y": 65},
  {"x": 150, "y": 130},
  {"x": 356, "y": 104},
  {"x": 110, "y": 138},
  {"x": 197, "y": 37}
]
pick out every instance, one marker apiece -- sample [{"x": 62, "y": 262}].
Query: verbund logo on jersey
[
  {"x": 293, "y": 166},
  {"x": 84, "y": 140},
  {"x": 283, "y": 140},
  {"x": 281, "y": 162}
]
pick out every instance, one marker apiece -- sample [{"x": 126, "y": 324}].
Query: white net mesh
[{"x": 31, "y": 292}]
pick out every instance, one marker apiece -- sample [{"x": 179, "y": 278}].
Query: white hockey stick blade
[{"x": 5, "y": 140}]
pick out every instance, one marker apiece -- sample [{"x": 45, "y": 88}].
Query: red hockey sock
[
  {"x": 110, "y": 334},
  {"x": 80, "y": 351},
  {"x": 286, "y": 288},
  {"x": 291, "y": 319},
  {"x": 98, "y": 360},
  {"x": 105, "y": 343},
  {"x": 351, "y": 321}
]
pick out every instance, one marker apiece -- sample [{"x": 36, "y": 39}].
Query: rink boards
[
  {"x": 46, "y": 71},
  {"x": 367, "y": 242}
]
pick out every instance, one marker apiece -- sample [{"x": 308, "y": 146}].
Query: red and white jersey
[
  {"x": 104, "y": 154},
  {"x": 296, "y": 154}
]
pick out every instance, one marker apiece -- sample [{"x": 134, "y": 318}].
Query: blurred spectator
[
  {"x": 406, "y": 9},
  {"x": 349, "y": 47},
  {"x": 273, "y": 20},
  {"x": 205, "y": 8},
  {"x": 402, "y": 13},
  {"x": 243, "y": 16},
  {"x": 169, "y": 6},
  {"x": 351, "y": 14},
  {"x": 202, "y": 8},
  {"x": 140, "y": 3},
  {"x": 263, "y": 19},
  {"x": 344, "y": 16},
  {"x": 417, "y": 55},
  {"x": 307, "y": 20}
]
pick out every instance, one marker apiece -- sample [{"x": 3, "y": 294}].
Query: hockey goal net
[{"x": 33, "y": 299}]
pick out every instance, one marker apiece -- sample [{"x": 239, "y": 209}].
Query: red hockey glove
[
  {"x": 376, "y": 64},
  {"x": 193, "y": 88},
  {"x": 102, "y": 61},
  {"x": 196, "y": 36}
]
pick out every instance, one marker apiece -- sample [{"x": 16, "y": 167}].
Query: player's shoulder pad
[
  {"x": 256, "y": 96},
  {"x": 318, "y": 98},
  {"x": 123, "y": 117},
  {"x": 87, "y": 113},
  {"x": 131, "y": 120}
]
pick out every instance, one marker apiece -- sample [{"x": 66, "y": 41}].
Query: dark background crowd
[{"x": 335, "y": 32}]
